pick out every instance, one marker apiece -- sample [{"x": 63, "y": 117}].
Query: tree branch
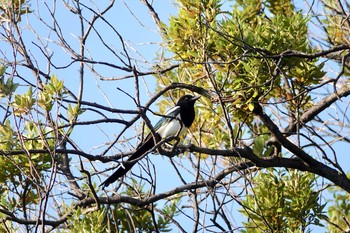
[
  {"x": 312, "y": 164},
  {"x": 319, "y": 107}
]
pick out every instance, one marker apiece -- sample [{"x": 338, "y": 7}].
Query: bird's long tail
[{"x": 123, "y": 169}]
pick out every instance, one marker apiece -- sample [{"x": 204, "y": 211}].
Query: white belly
[{"x": 173, "y": 128}]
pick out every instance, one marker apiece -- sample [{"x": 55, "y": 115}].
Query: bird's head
[{"x": 187, "y": 100}]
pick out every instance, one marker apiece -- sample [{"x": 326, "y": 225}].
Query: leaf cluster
[
  {"x": 33, "y": 135},
  {"x": 240, "y": 58},
  {"x": 6, "y": 87},
  {"x": 339, "y": 211},
  {"x": 130, "y": 218},
  {"x": 12, "y": 10},
  {"x": 81, "y": 221},
  {"x": 53, "y": 89},
  {"x": 16, "y": 169},
  {"x": 336, "y": 23},
  {"x": 282, "y": 202},
  {"x": 125, "y": 217}
]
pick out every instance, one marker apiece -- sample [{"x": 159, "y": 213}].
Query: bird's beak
[{"x": 194, "y": 98}]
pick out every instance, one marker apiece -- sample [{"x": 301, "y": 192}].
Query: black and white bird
[{"x": 174, "y": 123}]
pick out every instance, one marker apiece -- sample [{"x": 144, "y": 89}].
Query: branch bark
[
  {"x": 312, "y": 164},
  {"x": 319, "y": 107}
]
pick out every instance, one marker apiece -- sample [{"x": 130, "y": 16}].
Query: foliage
[
  {"x": 51, "y": 91},
  {"x": 240, "y": 56},
  {"x": 33, "y": 136},
  {"x": 229, "y": 52},
  {"x": 15, "y": 166},
  {"x": 339, "y": 211},
  {"x": 13, "y": 9},
  {"x": 282, "y": 202},
  {"x": 6, "y": 87},
  {"x": 124, "y": 217},
  {"x": 6, "y": 226},
  {"x": 130, "y": 218},
  {"x": 336, "y": 26},
  {"x": 83, "y": 222}
]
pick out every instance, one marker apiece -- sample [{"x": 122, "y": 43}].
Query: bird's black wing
[{"x": 169, "y": 115}]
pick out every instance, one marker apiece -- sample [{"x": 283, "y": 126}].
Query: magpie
[{"x": 174, "y": 123}]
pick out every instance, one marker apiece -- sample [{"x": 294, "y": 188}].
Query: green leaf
[
  {"x": 23, "y": 104},
  {"x": 2, "y": 70},
  {"x": 251, "y": 107}
]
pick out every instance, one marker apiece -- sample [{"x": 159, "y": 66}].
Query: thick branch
[
  {"x": 322, "y": 53},
  {"x": 58, "y": 151},
  {"x": 319, "y": 107},
  {"x": 245, "y": 152},
  {"x": 313, "y": 165}
]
